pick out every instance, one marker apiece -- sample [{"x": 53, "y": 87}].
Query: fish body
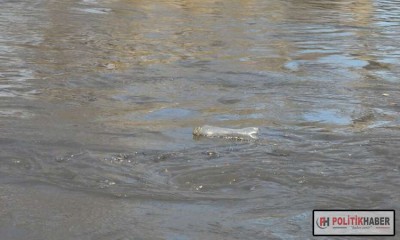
[{"x": 212, "y": 131}]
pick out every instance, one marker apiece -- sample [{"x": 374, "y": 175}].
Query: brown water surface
[{"x": 98, "y": 99}]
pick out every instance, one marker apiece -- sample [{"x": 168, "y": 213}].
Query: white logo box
[{"x": 354, "y": 222}]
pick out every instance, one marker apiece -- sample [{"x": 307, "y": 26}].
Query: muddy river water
[{"x": 98, "y": 99}]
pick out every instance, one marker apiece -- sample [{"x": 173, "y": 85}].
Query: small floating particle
[
  {"x": 110, "y": 66},
  {"x": 385, "y": 94},
  {"x": 212, "y": 154}
]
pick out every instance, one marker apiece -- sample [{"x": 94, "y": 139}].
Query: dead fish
[{"x": 212, "y": 131}]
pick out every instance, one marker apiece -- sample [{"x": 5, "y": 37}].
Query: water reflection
[{"x": 99, "y": 98}]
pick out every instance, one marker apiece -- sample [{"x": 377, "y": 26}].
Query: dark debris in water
[{"x": 212, "y": 154}]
